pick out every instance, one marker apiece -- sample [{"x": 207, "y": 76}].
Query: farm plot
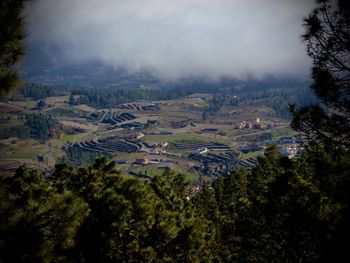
[
  {"x": 109, "y": 146},
  {"x": 111, "y": 117},
  {"x": 194, "y": 144},
  {"x": 136, "y": 107},
  {"x": 221, "y": 158}
]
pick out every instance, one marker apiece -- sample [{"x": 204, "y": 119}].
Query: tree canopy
[
  {"x": 93, "y": 214},
  {"x": 282, "y": 211},
  {"x": 327, "y": 39},
  {"x": 12, "y": 34}
]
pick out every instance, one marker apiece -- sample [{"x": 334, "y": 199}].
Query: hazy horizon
[{"x": 175, "y": 39}]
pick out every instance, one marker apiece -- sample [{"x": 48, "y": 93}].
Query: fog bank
[{"x": 175, "y": 38}]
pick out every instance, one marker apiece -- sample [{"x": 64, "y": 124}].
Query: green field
[
  {"x": 30, "y": 104},
  {"x": 72, "y": 137},
  {"x": 26, "y": 149},
  {"x": 243, "y": 156},
  {"x": 12, "y": 120},
  {"x": 180, "y": 137}
]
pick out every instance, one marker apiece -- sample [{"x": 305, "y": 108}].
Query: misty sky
[{"x": 176, "y": 38}]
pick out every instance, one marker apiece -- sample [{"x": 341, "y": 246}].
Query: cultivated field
[{"x": 143, "y": 138}]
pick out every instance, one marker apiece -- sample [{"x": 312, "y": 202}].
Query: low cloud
[{"x": 176, "y": 38}]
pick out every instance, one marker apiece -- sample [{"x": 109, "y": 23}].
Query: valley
[{"x": 144, "y": 137}]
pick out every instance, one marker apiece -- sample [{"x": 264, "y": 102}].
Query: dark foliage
[
  {"x": 37, "y": 126},
  {"x": 11, "y": 43},
  {"x": 111, "y": 97},
  {"x": 271, "y": 95},
  {"x": 92, "y": 214},
  {"x": 282, "y": 211},
  {"x": 37, "y": 91},
  {"x": 328, "y": 44}
]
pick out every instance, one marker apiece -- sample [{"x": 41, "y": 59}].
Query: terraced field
[
  {"x": 110, "y": 146},
  {"x": 224, "y": 158},
  {"x": 112, "y": 117},
  {"x": 193, "y": 145},
  {"x": 136, "y": 107},
  {"x": 178, "y": 129}
]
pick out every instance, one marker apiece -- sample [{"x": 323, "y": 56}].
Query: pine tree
[
  {"x": 37, "y": 223},
  {"x": 328, "y": 44},
  {"x": 12, "y": 34}
]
